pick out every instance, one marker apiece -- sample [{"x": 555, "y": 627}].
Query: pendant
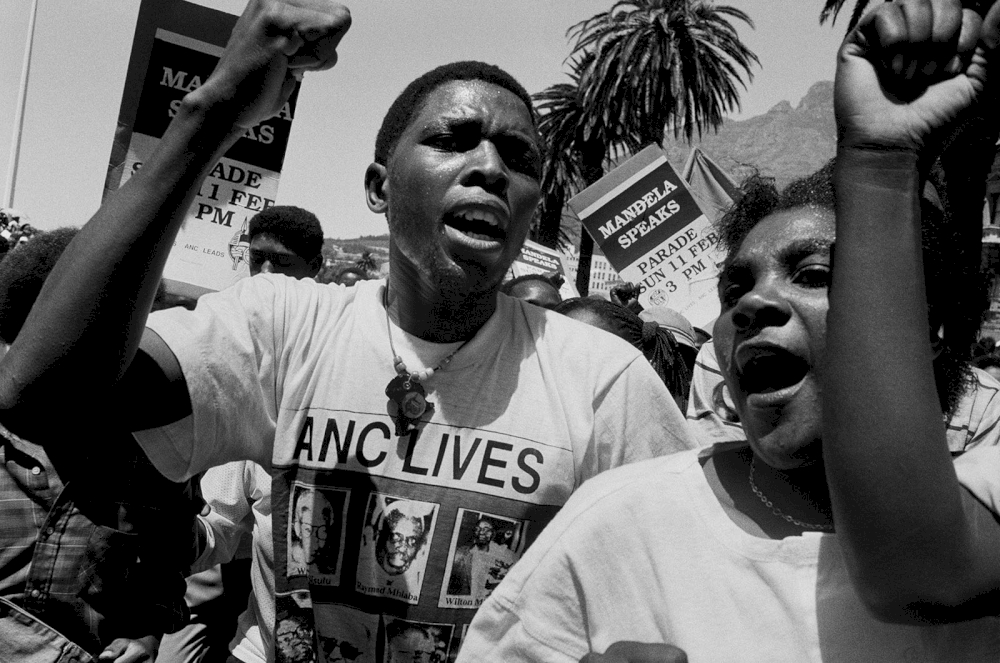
[{"x": 407, "y": 402}]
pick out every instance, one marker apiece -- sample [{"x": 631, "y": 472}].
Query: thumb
[{"x": 113, "y": 651}]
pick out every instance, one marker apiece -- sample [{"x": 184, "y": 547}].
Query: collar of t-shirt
[{"x": 419, "y": 355}]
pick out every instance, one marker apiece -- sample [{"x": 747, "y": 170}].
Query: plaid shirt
[{"x": 93, "y": 565}]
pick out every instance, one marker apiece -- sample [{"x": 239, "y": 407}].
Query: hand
[
  {"x": 638, "y": 652},
  {"x": 124, "y": 650},
  {"x": 624, "y": 294},
  {"x": 273, "y": 42},
  {"x": 909, "y": 69}
]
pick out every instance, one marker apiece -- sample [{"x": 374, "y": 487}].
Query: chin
[
  {"x": 787, "y": 450},
  {"x": 460, "y": 281}
]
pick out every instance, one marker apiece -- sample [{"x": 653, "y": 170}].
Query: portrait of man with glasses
[
  {"x": 315, "y": 533},
  {"x": 394, "y": 545}
]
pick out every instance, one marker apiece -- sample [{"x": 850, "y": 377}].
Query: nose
[
  {"x": 488, "y": 169},
  {"x": 267, "y": 267},
  {"x": 763, "y": 306}
]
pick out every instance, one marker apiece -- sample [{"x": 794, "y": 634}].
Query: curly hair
[
  {"x": 411, "y": 100},
  {"x": 657, "y": 344},
  {"x": 761, "y": 198},
  {"x": 22, "y": 274},
  {"x": 298, "y": 229}
]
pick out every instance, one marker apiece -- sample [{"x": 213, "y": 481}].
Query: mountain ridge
[{"x": 785, "y": 142}]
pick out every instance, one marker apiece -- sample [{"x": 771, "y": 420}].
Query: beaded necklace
[{"x": 407, "y": 397}]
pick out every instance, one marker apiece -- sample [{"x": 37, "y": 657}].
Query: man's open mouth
[{"x": 481, "y": 225}]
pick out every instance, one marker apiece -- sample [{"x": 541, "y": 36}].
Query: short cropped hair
[
  {"x": 554, "y": 280},
  {"x": 22, "y": 274},
  {"x": 760, "y": 198},
  {"x": 411, "y": 100},
  {"x": 298, "y": 229}
]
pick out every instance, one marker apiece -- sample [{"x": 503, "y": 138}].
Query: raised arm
[
  {"x": 918, "y": 546},
  {"x": 89, "y": 319}
]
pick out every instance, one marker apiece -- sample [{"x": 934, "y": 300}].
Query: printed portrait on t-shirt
[
  {"x": 483, "y": 548},
  {"x": 345, "y": 635},
  {"x": 316, "y": 523},
  {"x": 293, "y": 632},
  {"x": 416, "y": 642},
  {"x": 395, "y": 540}
]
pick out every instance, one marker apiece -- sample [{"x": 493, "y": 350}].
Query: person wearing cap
[{"x": 678, "y": 326}]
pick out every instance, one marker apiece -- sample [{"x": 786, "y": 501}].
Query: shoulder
[
  {"x": 606, "y": 512},
  {"x": 572, "y": 342},
  {"x": 978, "y": 471},
  {"x": 619, "y": 485},
  {"x": 616, "y": 498},
  {"x": 976, "y": 418}
]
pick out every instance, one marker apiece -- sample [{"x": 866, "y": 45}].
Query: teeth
[{"x": 479, "y": 215}]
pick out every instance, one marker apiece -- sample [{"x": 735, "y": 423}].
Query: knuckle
[{"x": 342, "y": 16}]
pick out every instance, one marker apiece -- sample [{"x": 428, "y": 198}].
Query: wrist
[
  {"x": 209, "y": 114},
  {"x": 881, "y": 166}
]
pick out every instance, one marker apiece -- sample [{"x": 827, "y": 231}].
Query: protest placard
[
  {"x": 537, "y": 258},
  {"x": 175, "y": 49},
  {"x": 654, "y": 234}
]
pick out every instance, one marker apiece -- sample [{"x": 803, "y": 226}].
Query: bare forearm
[
  {"x": 890, "y": 474},
  {"x": 89, "y": 317}
]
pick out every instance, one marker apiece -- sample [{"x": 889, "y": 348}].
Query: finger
[
  {"x": 308, "y": 61},
  {"x": 945, "y": 34},
  {"x": 968, "y": 39},
  {"x": 319, "y": 32},
  {"x": 113, "y": 651},
  {"x": 918, "y": 16},
  {"x": 990, "y": 30},
  {"x": 645, "y": 652},
  {"x": 883, "y": 30},
  {"x": 292, "y": 43}
]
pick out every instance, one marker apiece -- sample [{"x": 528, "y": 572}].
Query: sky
[{"x": 81, "y": 52}]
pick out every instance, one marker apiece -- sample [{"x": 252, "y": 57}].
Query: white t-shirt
[
  {"x": 240, "y": 496},
  {"x": 974, "y": 422},
  {"x": 646, "y": 553},
  {"x": 292, "y": 374}
]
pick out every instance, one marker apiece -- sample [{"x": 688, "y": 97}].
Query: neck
[
  {"x": 427, "y": 312},
  {"x": 801, "y": 492}
]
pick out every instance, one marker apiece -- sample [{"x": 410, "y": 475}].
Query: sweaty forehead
[
  {"x": 802, "y": 229},
  {"x": 495, "y": 108}
]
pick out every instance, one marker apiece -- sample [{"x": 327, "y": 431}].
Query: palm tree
[
  {"x": 367, "y": 263},
  {"x": 831, "y": 9},
  {"x": 642, "y": 66},
  {"x": 560, "y": 127},
  {"x": 663, "y": 63}
]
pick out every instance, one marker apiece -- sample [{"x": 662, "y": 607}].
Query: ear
[
  {"x": 315, "y": 265},
  {"x": 376, "y": 188},
  {"x": 937, "y": 342}
]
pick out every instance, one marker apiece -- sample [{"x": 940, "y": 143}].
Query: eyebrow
[
  {"x": 464, "y": 122},
  {"x": 790, "y": 253}
]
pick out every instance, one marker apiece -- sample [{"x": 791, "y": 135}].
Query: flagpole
[{"x": 22, "y": 97}]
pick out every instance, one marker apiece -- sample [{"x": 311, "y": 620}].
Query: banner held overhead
[
  {"x": 176, "y": 47},
  {"x": 654, "y": 234}
]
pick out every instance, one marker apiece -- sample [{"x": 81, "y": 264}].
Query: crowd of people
[
  {"x": 14, "y": 230},
  {"x": 444, "y": 466}
]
